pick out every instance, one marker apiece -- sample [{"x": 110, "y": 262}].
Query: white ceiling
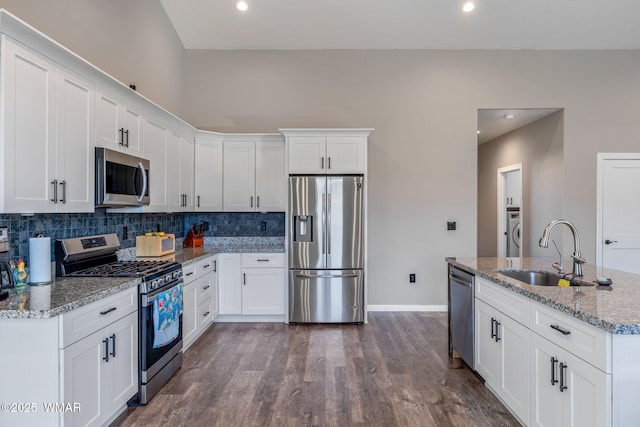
[
  {"x": 406, "y": 24},
  {"x": 492, "y": 123}
]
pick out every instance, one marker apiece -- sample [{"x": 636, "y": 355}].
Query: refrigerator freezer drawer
[{"x": 326, "y": 296}]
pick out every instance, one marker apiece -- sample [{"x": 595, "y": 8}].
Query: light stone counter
[
  {"x": 614, "y": 308},
  {"x": 69, "y": 293}
]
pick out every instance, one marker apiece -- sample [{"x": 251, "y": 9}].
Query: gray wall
[
  {"x": 423, "y": 153},
  {"x": 538, "y": 146},
  {"x": 132, "y": 40},
  {"x": 423, "y": 105}
]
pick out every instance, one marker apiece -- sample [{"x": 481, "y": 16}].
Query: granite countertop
[
  {"x": 68, "y": 293},
  {"x": 612, "y": 308}
]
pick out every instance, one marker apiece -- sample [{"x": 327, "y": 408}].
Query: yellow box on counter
[{"x": 158, "y": 244}]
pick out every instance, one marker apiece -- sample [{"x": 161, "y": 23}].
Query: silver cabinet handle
[
  {"x": 560, "y": 329},
  {"x": 262, "y": 260},
  {"x": 321, "y": 162},
  {"x": 206, "y": 287},
  {"x": 328, "y": 162},
  {"x": 55, "y": 191},
  {"x": 257, "y": 201},
  {"x": 498, "y": 331},
  {"x": 206, "y": 266},
  {"x": 244, "y": 278},
  {"x": 493, "y": 325},
  {"x": 251, "y": 201},
  {"x": 205, "y": 314},
  {"x": 126, "y": 132},
  {"x": 64, "y": 192},
  {"x": 215, "y": 265},
  {"x": 198, "y": 201},
  {"x": 189, "y": 273}
]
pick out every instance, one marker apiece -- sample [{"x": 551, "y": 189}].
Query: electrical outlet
[
  {"x": 451, "y": 225},
  {"x": 205, "y": 225},
  {"x": 412, "y": 278},
  {"x": 263, "y": 225}
]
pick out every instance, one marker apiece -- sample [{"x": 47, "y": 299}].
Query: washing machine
[{"x": 513, "y": 233}]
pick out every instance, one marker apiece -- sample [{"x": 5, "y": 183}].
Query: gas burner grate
[{"x": 125, "y": 269}]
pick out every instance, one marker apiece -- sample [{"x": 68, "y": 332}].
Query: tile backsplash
[{"x": 59, "y": 226}]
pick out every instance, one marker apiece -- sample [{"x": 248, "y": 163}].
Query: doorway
[{"x": 510, "y": 211}]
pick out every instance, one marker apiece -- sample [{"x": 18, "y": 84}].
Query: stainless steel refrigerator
[{"x": 326, "y": 249}]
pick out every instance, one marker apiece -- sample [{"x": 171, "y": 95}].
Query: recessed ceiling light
[
  {"x": 242, "y": 6},
  {"x": 509, "y": 116},
  {"x": 468, "y": 6}
]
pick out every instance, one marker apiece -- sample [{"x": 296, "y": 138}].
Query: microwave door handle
[{"x": 144, "y": 182}]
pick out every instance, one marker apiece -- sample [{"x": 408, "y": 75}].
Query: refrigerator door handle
[
  {"x": 317, "y": 276},
  {"x": 324, "y": 221},
  {"x": 329, "y": 224}
]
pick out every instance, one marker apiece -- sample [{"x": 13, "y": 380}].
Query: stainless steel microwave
[{"x": 121, "y": 179}]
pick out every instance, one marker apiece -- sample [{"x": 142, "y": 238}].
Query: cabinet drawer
[
  {"x": 208, "y": 265},
  {"x": 262, "y": 260},
  {"x": 84, "y": 321},
  {"x": 583, "y": 340},
  {"x": 190, "y": 272},
  {"x": 205, "y": 313},
  {"x": 513, "y": 305},
  {"x": 203, "y": 287}
]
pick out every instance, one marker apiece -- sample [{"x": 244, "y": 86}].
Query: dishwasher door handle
[{"x": 459, "y": 281}]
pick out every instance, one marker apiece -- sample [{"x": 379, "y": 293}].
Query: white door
[
  {"x": 585, "y": 398},
  {"x": 271, "y": 181},
  {"x": 155, "y": 150},
  {"x": 239, "y": 185},
  {"x": 263, "y": 291},
  {"x": 28, "y": 96},
  {"x": 230, "y": 283},
  {"x": 186, "y": 171},
  {"x": 76, "y": 140},
  {"x": 487, "y": 351},
  {"x": 123, "y": 361},
  {"x": 84, "y": 379},
  {"x": 618, "y": 228},
  {"x": 174, "y": 195},
  {"x": 307, "y": 154},
  {"x": 189, "y": 314},
  {"x": 546, "y": 399},
  {"x": 345, "y": 154},
  {"x": 208, "y": 175},
  {"x": 514, "y": 376}
]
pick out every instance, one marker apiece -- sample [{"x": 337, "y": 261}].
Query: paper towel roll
[{"x": 39, "y": 260}]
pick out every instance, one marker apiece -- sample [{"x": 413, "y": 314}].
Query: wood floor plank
[{"x": 393, "y": 371}]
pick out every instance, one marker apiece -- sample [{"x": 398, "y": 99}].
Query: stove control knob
[
  {"x": 177, "y": 274},
  {"x": 167, "y": 278},
  {"x": 156, "y": 283}
]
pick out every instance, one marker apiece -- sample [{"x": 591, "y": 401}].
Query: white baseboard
[
  {"x": 438, "y": 308},
  {"x": 238, "y": 318}
]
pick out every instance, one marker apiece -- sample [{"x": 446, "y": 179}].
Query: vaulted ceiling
[{"x": 406, "y": 24}]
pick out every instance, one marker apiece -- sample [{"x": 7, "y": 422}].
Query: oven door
[{"x": 156, "y": 351}]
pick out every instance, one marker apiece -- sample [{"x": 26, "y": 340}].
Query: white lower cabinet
[
  {"x": 101, "y": 372},
  {"x": 565, "y": 390},
  {"x": 502, "y": 357},
  {"x": 200, "y": 301},
  {"x": 252, "y": 284},
  {"x": 547, "y": 368}
]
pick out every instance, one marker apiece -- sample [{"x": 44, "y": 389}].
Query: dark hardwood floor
[{"x": 393, "y": 371}]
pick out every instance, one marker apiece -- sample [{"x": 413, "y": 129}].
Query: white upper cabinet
[
  {"x": 155, "y": 150},
  {"x": 254, "y": 173},
  {"x": 48, "y": 134},
  {"x": 119, "y": 126},
  {"x": 180, "y": 172},
  {"x": 208, "y": 174},
  {"x": 327, "y": 151}
]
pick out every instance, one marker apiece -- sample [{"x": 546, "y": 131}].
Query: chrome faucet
[{"x": 577, "y": 256}]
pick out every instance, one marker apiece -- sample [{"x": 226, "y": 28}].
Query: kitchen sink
[{"x": 533, "y": 277}]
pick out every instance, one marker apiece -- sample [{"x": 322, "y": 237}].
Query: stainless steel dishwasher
[{"x": 461, "y": 314}]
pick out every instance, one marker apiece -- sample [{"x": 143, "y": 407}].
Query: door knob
[{"x": 608, "y": 242}]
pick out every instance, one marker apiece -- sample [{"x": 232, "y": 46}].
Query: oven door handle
[{"x": 147, "y": 300}]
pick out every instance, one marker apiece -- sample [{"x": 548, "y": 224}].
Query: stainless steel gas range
[{"x": 159, "y": 303}]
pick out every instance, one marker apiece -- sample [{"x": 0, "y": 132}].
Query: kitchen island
[{"x": 557, "y": 355}]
